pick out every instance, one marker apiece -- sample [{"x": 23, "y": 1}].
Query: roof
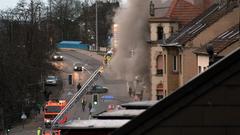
[
  {"x": 139, "y": 104},
  {"x": 201, "y": 22},
  {"x": 120, "y": 114},
  {"x": 73, "y": 44},
  {"x": 197, "y": 87},
  {"x": 92, "y": 124},
  {"x": 222, "y": 41},
  {"x": 181, "y": 11}
]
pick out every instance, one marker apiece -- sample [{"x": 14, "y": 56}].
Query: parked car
[
  {"x": 51, "y": 80},
  {"x": 57, "y": 56},
  {"x": 77, "y": 67},
  {"x": 98, "y": 89}
]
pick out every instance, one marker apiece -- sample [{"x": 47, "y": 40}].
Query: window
[
  {"x": 180, "y": 63},
  {"x": 199, "y": 69},
  {"x": 165, "y": 63},
  {"x": 204, "y": 68},
  {"x": 160, "y": 93},
  {"x": 160, "y": 32},
  {"x": 159, "y": 65},
  {"x": 53, "y": 109},
  {"x": 174, "y": 63}
]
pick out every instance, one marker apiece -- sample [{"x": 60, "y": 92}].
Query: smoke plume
[{"x": 132, "y": 57}]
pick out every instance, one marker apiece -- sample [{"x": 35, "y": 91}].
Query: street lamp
[
  {"x": 151, "y": 5},
  {"x": 152, "y": 8},
  {"x": 96, "y": 26}
]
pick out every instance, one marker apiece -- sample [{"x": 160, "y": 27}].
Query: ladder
[{"x": 78, "y": 95}]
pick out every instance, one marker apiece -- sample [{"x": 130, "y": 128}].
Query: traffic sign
[{"x": 107, "y": 97}]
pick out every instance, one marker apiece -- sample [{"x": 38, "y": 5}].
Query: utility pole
[{"x": 96, "y": 25}]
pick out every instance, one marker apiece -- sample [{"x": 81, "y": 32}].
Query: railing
[{"x": 95, "y": 75}]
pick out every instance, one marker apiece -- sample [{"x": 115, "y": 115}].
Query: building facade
[
  {"x": 181, "y": 63},
  {"x": 167, "y": 19}
]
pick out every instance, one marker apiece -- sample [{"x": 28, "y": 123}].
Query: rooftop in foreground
[
  {"x": 120, "y": 114},
  {"x": 92, "y": 124},
  {"x": 139, "y": 104}
]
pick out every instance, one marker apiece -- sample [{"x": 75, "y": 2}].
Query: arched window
[
  {"x": 160, "y": 32},
  {"x": 159, "y": 65},
  {"x": 159, "y": 91}
]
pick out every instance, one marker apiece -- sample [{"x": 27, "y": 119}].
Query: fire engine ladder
[{"x": 92, "y": 79}]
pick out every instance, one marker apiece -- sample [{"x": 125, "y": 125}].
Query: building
[
  {"x": 180, "y": 64},
  {"x": 222, "y": 45},
  {"x": 90, "y": 127},
  {"x": 166, "y": 19},
  {"x": 206, "y": 105},
  {"x": 106, "y": 122}
]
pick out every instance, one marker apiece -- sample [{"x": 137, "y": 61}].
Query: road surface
[{"x": 91, "y": 61}]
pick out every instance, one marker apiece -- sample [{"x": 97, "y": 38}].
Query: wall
[
  {"x": 203, "y": 61},
  {"x": 189, "y": 65},
  {"x": 171, "y": 78},
  {"x": 155, "y": 80},
  {"x": 166, "y": 29}
]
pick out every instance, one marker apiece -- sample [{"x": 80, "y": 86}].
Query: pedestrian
[
  {"x": 79, "y": 86},
  {"x": 89, "y": 107},
  {"x": 39, "y": 108},
  {"x": 130, "y": 91},
  {"x": 84, "y": 102}
]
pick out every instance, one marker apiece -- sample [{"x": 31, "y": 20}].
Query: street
[{"x": 91, "y": 61}]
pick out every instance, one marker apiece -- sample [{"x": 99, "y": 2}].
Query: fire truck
[
  {"x": 52, "y": 109},
  {"x": 54, "y": 132}
]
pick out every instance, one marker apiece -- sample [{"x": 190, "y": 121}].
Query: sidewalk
[{"x": 29, "y": 127}]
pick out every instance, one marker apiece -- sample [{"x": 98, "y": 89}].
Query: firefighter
[{"x": 39, "y": 131}]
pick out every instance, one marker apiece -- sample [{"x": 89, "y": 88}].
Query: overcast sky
[{"x": 5, "y": 4}]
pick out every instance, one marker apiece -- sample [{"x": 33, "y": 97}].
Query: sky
[{"x": 5, "y": 4}]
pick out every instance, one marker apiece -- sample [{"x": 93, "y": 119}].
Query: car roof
[
  {"x": 77, "y": 63},
  {"x": 51, "y": 76}
]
